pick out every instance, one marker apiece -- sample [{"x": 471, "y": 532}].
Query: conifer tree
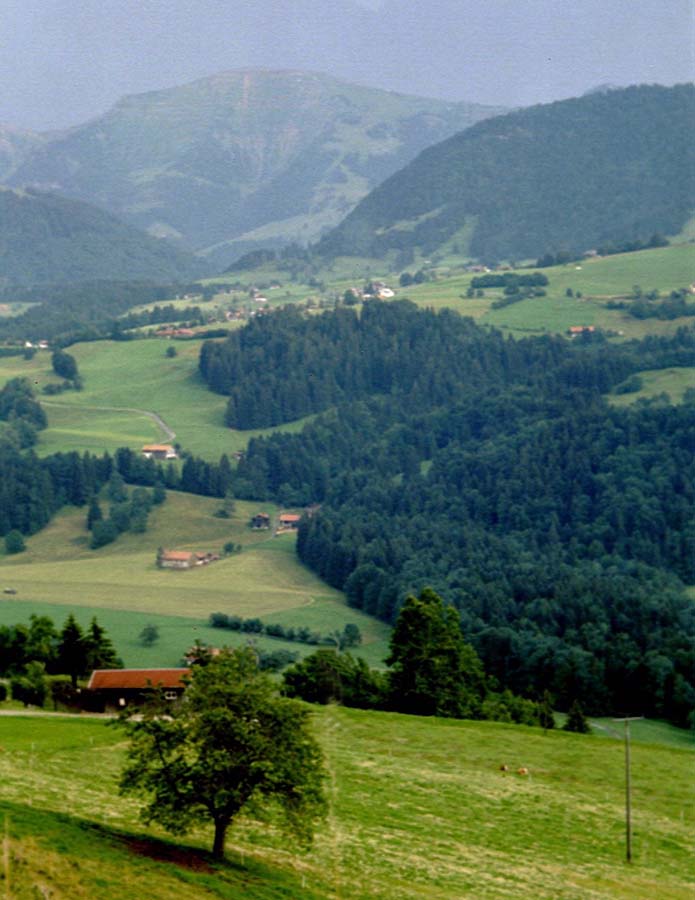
[
  {"x": 100, "y": 652},
  {"x": 72, "y": 650},
  {"x": 576, "y": 720},
  {"x": 434, "y": 671},
  {"x": 94, "y": 513}
]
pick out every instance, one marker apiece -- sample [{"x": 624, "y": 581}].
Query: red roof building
[
  {"x": 139, "y": 679},
  {"x": 121, "y": 687},
  {"x": 288, "y": 520}
]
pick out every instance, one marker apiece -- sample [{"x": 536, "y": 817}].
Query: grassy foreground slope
[
  {"x": 419, "y": 809},
  {"x": 122, "y": 585}
]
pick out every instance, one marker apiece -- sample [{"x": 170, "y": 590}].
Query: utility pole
[{"x": 628, "y": 799}]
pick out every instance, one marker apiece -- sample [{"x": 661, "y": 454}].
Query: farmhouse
[
  {"x": 123, "y": 687},
  {"x": 159, "y": 451},
  {"x": 184, "y": 559},
  {"x": 288, "y": 521},
  {"x": 176, "y": 559},
  {"x": 260, "y": 520},
  {"x": 574, "y": 330}
]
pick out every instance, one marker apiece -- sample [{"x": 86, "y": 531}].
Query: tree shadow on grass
[{"x": 78, "y": 838}]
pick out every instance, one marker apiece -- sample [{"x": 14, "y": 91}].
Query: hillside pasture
[
  {"x": 418, "y": 809},
  {"x": 264, "y": 580},
  {"x": 597, "y": 280},
  {"x": 96, "y": 429},
  {"x": 122, "y": 381},
  {"x": 673, "y": 382}
]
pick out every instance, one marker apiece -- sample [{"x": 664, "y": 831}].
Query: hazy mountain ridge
[
  {"x": 48, "y": 238},
  {"x": 15, "y": 146},
  {"x": 610, "y": 166},
  {"x": 216, "y": 158}
]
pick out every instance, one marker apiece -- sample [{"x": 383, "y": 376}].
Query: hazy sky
[{"x": 63, "y": 61}]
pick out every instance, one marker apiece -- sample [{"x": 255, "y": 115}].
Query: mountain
[
  {"x": 15, "y": 146},
  {"x": 611, "y": 166},
  {"x": 244, "y": 158},
  {"x": 48, "y": 238}
]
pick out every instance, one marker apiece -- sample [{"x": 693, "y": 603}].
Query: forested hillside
[
  {"x": 608, "y": 167},
  {"x": 286, "y": 366},
  {"x": 493, "y": 470},
  {"x": 245, "y": 157},
  {"x": 48, "y": 238}
]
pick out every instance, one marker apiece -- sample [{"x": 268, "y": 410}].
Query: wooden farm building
[
  {"x": 260, "y": 520},
  {"x": 159, "y": 451},
  {"x": 288, "y": 520},
  {"x": 123, "y": 687},
  {"x": 176, "y": 559},
  {"x": 185, "y": 559}
]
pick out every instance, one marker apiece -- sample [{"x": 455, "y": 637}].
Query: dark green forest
[
  {"x": 494, "y": 471},
  {"x": 287, "y": 366},
  {"x": 606, "y": 168},
  {"x": 48, "y": 238}
]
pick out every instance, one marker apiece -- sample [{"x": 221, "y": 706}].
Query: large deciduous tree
[
  {"x": 232, "y": 741},
  {"x": 434, "y": 672},
  {"x": 64, "y": 365}
]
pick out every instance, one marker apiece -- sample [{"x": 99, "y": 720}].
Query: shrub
[{"x": 14, "y": 542}]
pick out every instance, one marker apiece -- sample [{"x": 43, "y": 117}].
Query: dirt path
[{"x": 49, "y": 714}]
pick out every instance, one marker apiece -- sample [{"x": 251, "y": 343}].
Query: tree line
[
  {"x": 432, "y": 671},
  {"x": 350, "y": 635},
  {"x": 40, "y": 659},
  {"x": 33, "y": 489}
]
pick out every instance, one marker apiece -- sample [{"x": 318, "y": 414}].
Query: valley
[{"x": 299, "y": 365}]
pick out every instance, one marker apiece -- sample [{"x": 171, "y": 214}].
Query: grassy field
[
  {"x": 122, "y": 585},
  {"x": 673, "y": 382},
  {"x": 122, "y": 380},
  {"x": 418, "y": 809},
  {"x": 665, "y": 268},
  {"x": 645, "y": 731}
]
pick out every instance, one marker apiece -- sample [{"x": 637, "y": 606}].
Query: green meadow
[
  {"x": 673, "y": 382},
  {"x": 419, "y": 808},
  {"x": 124, "y": 380},
  {"x": 597, "y": 280},
  {"x": 121, "y": 584}
]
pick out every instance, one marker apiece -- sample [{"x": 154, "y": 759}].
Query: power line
[{"x": 628, "y": 787}]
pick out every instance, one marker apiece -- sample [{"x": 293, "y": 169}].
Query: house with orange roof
[
  {"x": 118, "y": 688},
  {"x": 159, "y": 451}
]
